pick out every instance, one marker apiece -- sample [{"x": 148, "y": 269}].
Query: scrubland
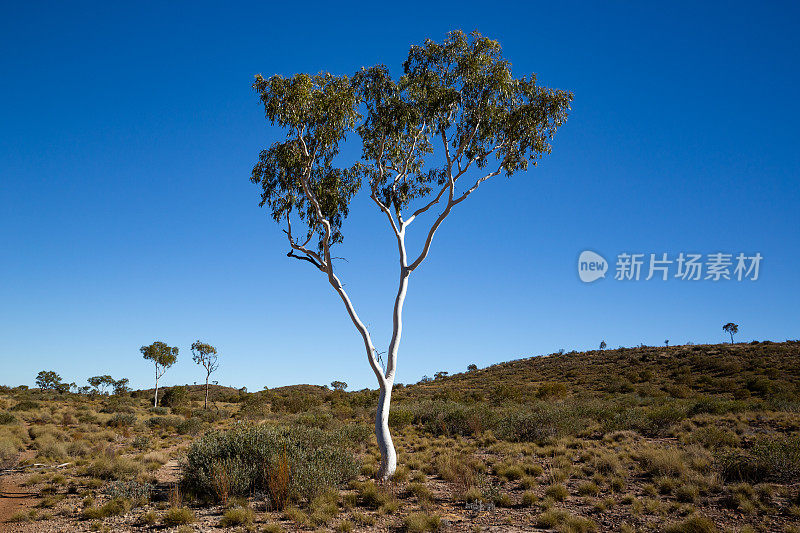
[{"x": 677, "y": 439}]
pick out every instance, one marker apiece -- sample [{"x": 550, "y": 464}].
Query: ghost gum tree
[
  {"x": 206, "y": 355},
  {"x": 455, "y": 118},
  {"x": 162, "y": 357}
]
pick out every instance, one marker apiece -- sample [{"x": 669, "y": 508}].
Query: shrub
[
  {"x": 687, "y": 493},
  {"x": 557, "y": 492},
  {"x": 7, "y": 418},
  {"x": 420, "y": 522},
  {"x": 588, "y": 488},
  {"x": 114, "y": 507},
  {"x": 122, "y": 420},
  {"x": 529, "y": 498},
  {"x": 660, "y": 419},
  {"x": 661, "y": 461},
  {"x": 178, "y": 516},
  {"x": 190, "y": 426},
  {"x": 543, "y": 422},
  {"x": 420, "y": 491},
  {"x": 510, "y": 472},
  {"x": 400, "y": 417},
  {"x": 693, "y": 524},
  {"x": 163, "y": 421},
  {"x": 551, "y": 390},
  {"x": 131, "y": 490},
  {"x": 118, "y": 468},
  {"x": 770, "y": 458},
  {"x": 141, "y": 442},
  {"x": 175, "y": 397},
  {"x": 25, "y": 405},
  {"x": 248, "y": 457},
  {"x": 460, "y": 469},
  {"x": 237, "y": 516}
]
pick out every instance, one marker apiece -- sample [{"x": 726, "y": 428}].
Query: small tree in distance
[
  {"x": 731, "y": 328},
  {"x": 602, "y": 345},
  {"x": 205, "y": 355},
  {"x": 48, "y": 380},
  {"x": 121, "y": 386},
  {"x": 472, "y": 368},
  {"x": 101, "y": 382},
  {"x": 338, "y": 385},
  {"x": 163, "y": 357}
]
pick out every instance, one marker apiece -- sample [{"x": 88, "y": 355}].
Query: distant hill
[{"x": 767, "y": 370}]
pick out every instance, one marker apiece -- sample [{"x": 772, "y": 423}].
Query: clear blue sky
[{"x": 127, "y": 135}]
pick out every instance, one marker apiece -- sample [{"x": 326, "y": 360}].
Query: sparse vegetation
[{"x": 644, "y": 437}]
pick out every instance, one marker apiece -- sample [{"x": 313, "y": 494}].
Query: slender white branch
[
  {"x": 327, "y": 264},
  {"x": 370, "y": 348}
]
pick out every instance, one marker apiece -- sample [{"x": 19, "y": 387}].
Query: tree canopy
[
  {"x": 461, "y": 93},
  {"x": 48, "y": 380},
  {"x": 160, "y": 354}
]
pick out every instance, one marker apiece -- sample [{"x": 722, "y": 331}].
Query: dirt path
[
  {"x": 169, "y": 472},
  {"x": 13, "y": 499}
]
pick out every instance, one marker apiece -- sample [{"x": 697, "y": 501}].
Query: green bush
[
  {"x": 122, "y": 420},
  {"x": 25, "y": 405},
  {"x": 693, "y": 524},
  {"x": 190, "y": 426},
  {"x": 175, "y": 397},
  {"x": 163, "y": 421},
  {"x": 541, "y": 422},
  {"x": 243, "y": 459},
  {"x": 400, "y": 417},
  {"x": 130, "y": 490},
  {"x": 237, "y": 516},
  {"x": 773, "y": 458},
  {"x": 420, "y": 522},
  {"x": 7, "y": 418},
  {"x": 178, "y": 516}
]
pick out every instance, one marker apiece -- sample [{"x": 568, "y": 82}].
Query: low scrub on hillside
[{"x": 286, "y": 464}]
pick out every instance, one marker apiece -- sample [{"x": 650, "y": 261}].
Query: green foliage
[
  {"x": 122, "y": 420},
  {"x": 48, "y": 380},
  {"x": 113, "y": 507},
  {"x": 420, "y": 522},
  {"x": 461, "y": 90},
  {"x": 99, "y": 383},
  {"x": 237, "y": 516},
  {"x": 317, "y": 460},
  {"x": 177, "y": 516},
  {"x": 190, "y": 426},
  {"x": 160, "y": 354},
  {"x": 26, "y": 405},
  {"x": 317, "y": 112},
  {"x": 176, "y": 396},
  {"x": 731, "y": 328},
  {"x": 773, "y": 458},
  {"x": 693, "y": 524},
  {"x": 132, "y": 490}
]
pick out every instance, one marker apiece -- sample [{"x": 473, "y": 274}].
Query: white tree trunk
[
  {"x": 388, "y": 453},
  {"x": 155, "y": 398}
]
